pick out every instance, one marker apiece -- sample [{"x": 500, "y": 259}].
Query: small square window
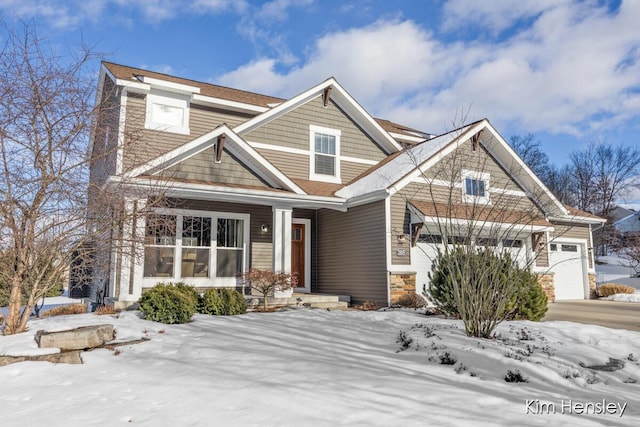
[
  {"x": 167, "y": 112},
  {"x": 474, "y": 187}
]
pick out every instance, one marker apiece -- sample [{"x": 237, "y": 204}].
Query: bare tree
[
  {"x": 48, "y": 111},
  {"x": 529, "y": 151}
]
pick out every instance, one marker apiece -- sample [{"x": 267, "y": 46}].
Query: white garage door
[
  {"x": 566, "y": 263},
  {"x": 422, "y": 256}
]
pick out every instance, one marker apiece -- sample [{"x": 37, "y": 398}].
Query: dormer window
[
  {"x": 167, "y": 112},
  {"x": 475, "y": 187},
  {"x": 324, "y": 156}
]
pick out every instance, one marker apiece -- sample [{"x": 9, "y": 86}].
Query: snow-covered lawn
[{"x": 309, "y": 367}]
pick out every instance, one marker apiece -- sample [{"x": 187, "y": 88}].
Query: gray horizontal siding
[
  {"x": 292, "y": 130},
  {"x": 202, "y": 167},
  {"x": 144, "y": 144},
  {"x": 292, "y": 165},
  {"x": 351, "y": 253}
]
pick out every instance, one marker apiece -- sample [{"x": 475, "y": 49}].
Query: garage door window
[{"x": 569, "y": 248}]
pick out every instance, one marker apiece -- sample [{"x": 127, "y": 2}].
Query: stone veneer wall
[
  {"x": 401, "y": 284},
  {"x": 547, "y": 283},
  {"x": 593, "y": 293}
]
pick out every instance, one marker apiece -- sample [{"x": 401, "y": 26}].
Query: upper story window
[
  {"x": 475, "y": 187},
  {"x": 324, "y": 154},
  {"x": 167, "y": 112}
]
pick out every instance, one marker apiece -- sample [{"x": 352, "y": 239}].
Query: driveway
[{"x": 618, "y": 315}]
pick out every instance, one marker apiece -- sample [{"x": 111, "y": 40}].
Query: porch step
[
  {"x": 334, "y": 302},
  {"x": 339, "y": 305}
]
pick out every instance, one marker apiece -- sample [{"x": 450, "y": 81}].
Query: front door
[{"x": 298, "y": 253}]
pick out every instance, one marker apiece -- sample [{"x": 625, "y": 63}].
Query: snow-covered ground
[
  {"x": 613, "y": 269},
  {"x": 308, "y": 367}
]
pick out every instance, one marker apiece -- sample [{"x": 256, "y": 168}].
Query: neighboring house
[
  {"x": 629, "y": 225},
  {"x": 315, "y": 186}
]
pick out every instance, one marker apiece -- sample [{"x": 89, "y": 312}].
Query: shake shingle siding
[{"x": 352, "y": 253}]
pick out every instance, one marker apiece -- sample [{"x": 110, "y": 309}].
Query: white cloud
[
  {"x": 493, "y": 15},
  {"x": 574, "y": 69}
]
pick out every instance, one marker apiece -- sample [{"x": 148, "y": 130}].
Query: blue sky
[{"x": 567, "y": 71}]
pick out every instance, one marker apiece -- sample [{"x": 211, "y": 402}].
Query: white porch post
[
  {"x": 282, "y": 239},
  {"x": 132, "y": 251}
]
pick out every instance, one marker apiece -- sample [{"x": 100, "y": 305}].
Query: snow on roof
[{"x": 388, "y": 173}]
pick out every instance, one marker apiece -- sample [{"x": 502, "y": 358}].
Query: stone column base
[
  {"x": 401, "y": 284},
  {"x": 547, "y": 283}
]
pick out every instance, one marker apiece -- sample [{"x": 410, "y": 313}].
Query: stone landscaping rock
[
  {"x": 71, "y": 357},
  {"x": 82, "y": 338}
]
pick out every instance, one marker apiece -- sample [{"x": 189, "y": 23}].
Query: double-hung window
[
  {"x": 324, "y": 154},
  {"x": 475, "y": 187}
]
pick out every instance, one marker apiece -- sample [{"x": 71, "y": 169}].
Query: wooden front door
[{"x": 297, "y": 253}]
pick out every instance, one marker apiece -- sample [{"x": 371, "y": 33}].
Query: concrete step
[
  {"x": 306, "y": 300},
  {"x": 340, "y": 305}
]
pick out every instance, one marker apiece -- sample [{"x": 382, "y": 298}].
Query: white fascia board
[
  {"x": 230, "y": 194},
  {"x": 407, "y": 138},
  {"x": 225, "y": 103},
  {"x": 134, "y": 86},
  {"x": 429, "y": 153},
  {"x": 283, "y": 108},
  {"x": 358, "y": 114},
  {"x": 170, "y": 86},
  {"x": 577, "y": 219},
  {"x": 521, "y": 164},
  {"x": 178, "y": 154},
  {"x": 368, "y": 198},
  {"x": 364, "y": 119},
  {"x": 245, "y": 152}
]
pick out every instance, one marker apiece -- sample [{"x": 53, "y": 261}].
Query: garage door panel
[{"x": 567, "y": 266}]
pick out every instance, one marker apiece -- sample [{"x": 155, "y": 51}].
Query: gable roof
[
  {"x": 413, "y": 161},
  {"x": 130, "y": 74},
  {"x": 388, "y": 172},
  {"x": 234, "y": 143},
  {"x": 125, "y": 75},
  {"x": 338, "y": 95}
]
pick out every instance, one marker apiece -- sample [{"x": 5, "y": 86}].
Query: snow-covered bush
[
  {"x": 222, "y": 302},
  {"x": 168, "y": 303}
]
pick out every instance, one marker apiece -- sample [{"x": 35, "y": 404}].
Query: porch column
[
  {"x": 282, "y": 239},
  {"x": 131, "y": 250}
]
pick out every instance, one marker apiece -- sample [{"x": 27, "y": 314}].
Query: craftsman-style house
[{"x": 313, "y": 185}]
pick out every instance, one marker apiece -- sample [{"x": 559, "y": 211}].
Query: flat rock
[
  {"x": 71, "y": 357},
  {"x": 82, "y": 338}
]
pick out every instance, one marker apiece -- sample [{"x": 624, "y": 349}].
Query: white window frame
[
  {"x": 313, "y": 176},
  {"x": 171, "y": 100},
  {"x": 213, "y": 279},
  {"x": 479, "y": 176}
]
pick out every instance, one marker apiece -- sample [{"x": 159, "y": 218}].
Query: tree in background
[{"x": 592, "y": 181}]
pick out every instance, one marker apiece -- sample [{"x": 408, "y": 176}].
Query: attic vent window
[
  {"x": 475, "y": 187},
  {"x": 324, "y": 154},
  {"x": 167, "y": 112}
]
